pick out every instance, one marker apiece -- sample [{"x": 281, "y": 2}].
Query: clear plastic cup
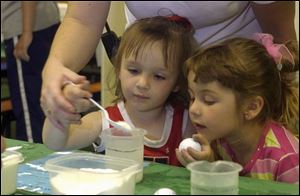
[
  {"x": 214, "y": 178},
  {"x": 10, "y": 163},
  {"x": 129, "y": 145}
]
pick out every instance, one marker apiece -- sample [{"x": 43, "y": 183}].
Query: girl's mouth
[
  {"x": 199, "y": 126},
  {"x": 141, "y": 97}
]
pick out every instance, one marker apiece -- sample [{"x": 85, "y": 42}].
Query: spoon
[{"x": 120, "y": 124}]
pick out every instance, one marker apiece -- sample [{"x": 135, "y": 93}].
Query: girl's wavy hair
[
  {"x": 176, "y": 37},
  {"x": 245, "y": 66}
]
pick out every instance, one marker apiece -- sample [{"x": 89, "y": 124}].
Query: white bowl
[{"x": 90, "y": 174}]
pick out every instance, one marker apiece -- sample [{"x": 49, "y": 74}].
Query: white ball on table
[{"x": 165, "y": 191}]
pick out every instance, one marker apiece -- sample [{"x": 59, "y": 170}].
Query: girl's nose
[
  {"x": 143, "y": 82},
  {"x": 195, "y": 108}
]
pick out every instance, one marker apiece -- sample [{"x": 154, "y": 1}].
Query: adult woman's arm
[
  {"x": 277, "y": 19},
  {"x": 73, "y": 46}
]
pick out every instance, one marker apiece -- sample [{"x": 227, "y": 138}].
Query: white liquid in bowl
[{"x": 79, "y": 183}]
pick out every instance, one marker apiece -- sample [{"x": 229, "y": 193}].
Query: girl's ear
[{"x": 253, "y": 107}]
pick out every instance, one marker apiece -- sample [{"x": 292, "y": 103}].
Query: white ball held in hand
[
  {"x": 189, "y": 142},
  {"x": 165, "y": 191}
]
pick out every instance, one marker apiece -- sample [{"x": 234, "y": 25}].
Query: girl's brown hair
[
  {"x": 177, "y": 41},
  {"x": 245, "y": 66}
]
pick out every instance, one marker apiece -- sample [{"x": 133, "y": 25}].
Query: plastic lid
[
  {"x": 90, "y": 161},
  {"x": 9, "y": 156}
]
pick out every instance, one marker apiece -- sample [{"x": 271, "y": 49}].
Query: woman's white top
[{"x": 213, "y": 20}]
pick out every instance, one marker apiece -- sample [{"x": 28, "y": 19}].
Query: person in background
[
  {"x": 244, "y": 99},
  {"x": 28, "y": 28},
  {"x": 151, "y": 92}
]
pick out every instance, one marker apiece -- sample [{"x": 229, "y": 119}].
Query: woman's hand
[
  {"x": 190, "y": 155},
  {"x": 78, "y": 95},
  {"x": 55, "y": 106},
  {"x": 73, "y": 46}
]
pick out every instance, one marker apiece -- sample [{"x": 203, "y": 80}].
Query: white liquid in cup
[
  {"x": 136, "y": 154},
  {"x": 8, "y": 178},
  {"x": 129, "y": 147},
  {"x": 10, "y": 162}
]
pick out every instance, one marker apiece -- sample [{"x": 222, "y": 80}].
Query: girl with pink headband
[{"x": 243, "y": 102}]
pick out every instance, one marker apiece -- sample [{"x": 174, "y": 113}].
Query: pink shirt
[{"x": 276, "y": 157}]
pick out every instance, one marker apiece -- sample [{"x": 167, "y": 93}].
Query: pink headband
[{"x": 277, "y": 51}]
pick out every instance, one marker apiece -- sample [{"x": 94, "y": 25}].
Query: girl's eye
[
  {"x": 208, "y": 100},
  {"x": 133, "y": 71},
  {"x": 159, "y": 77}
]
